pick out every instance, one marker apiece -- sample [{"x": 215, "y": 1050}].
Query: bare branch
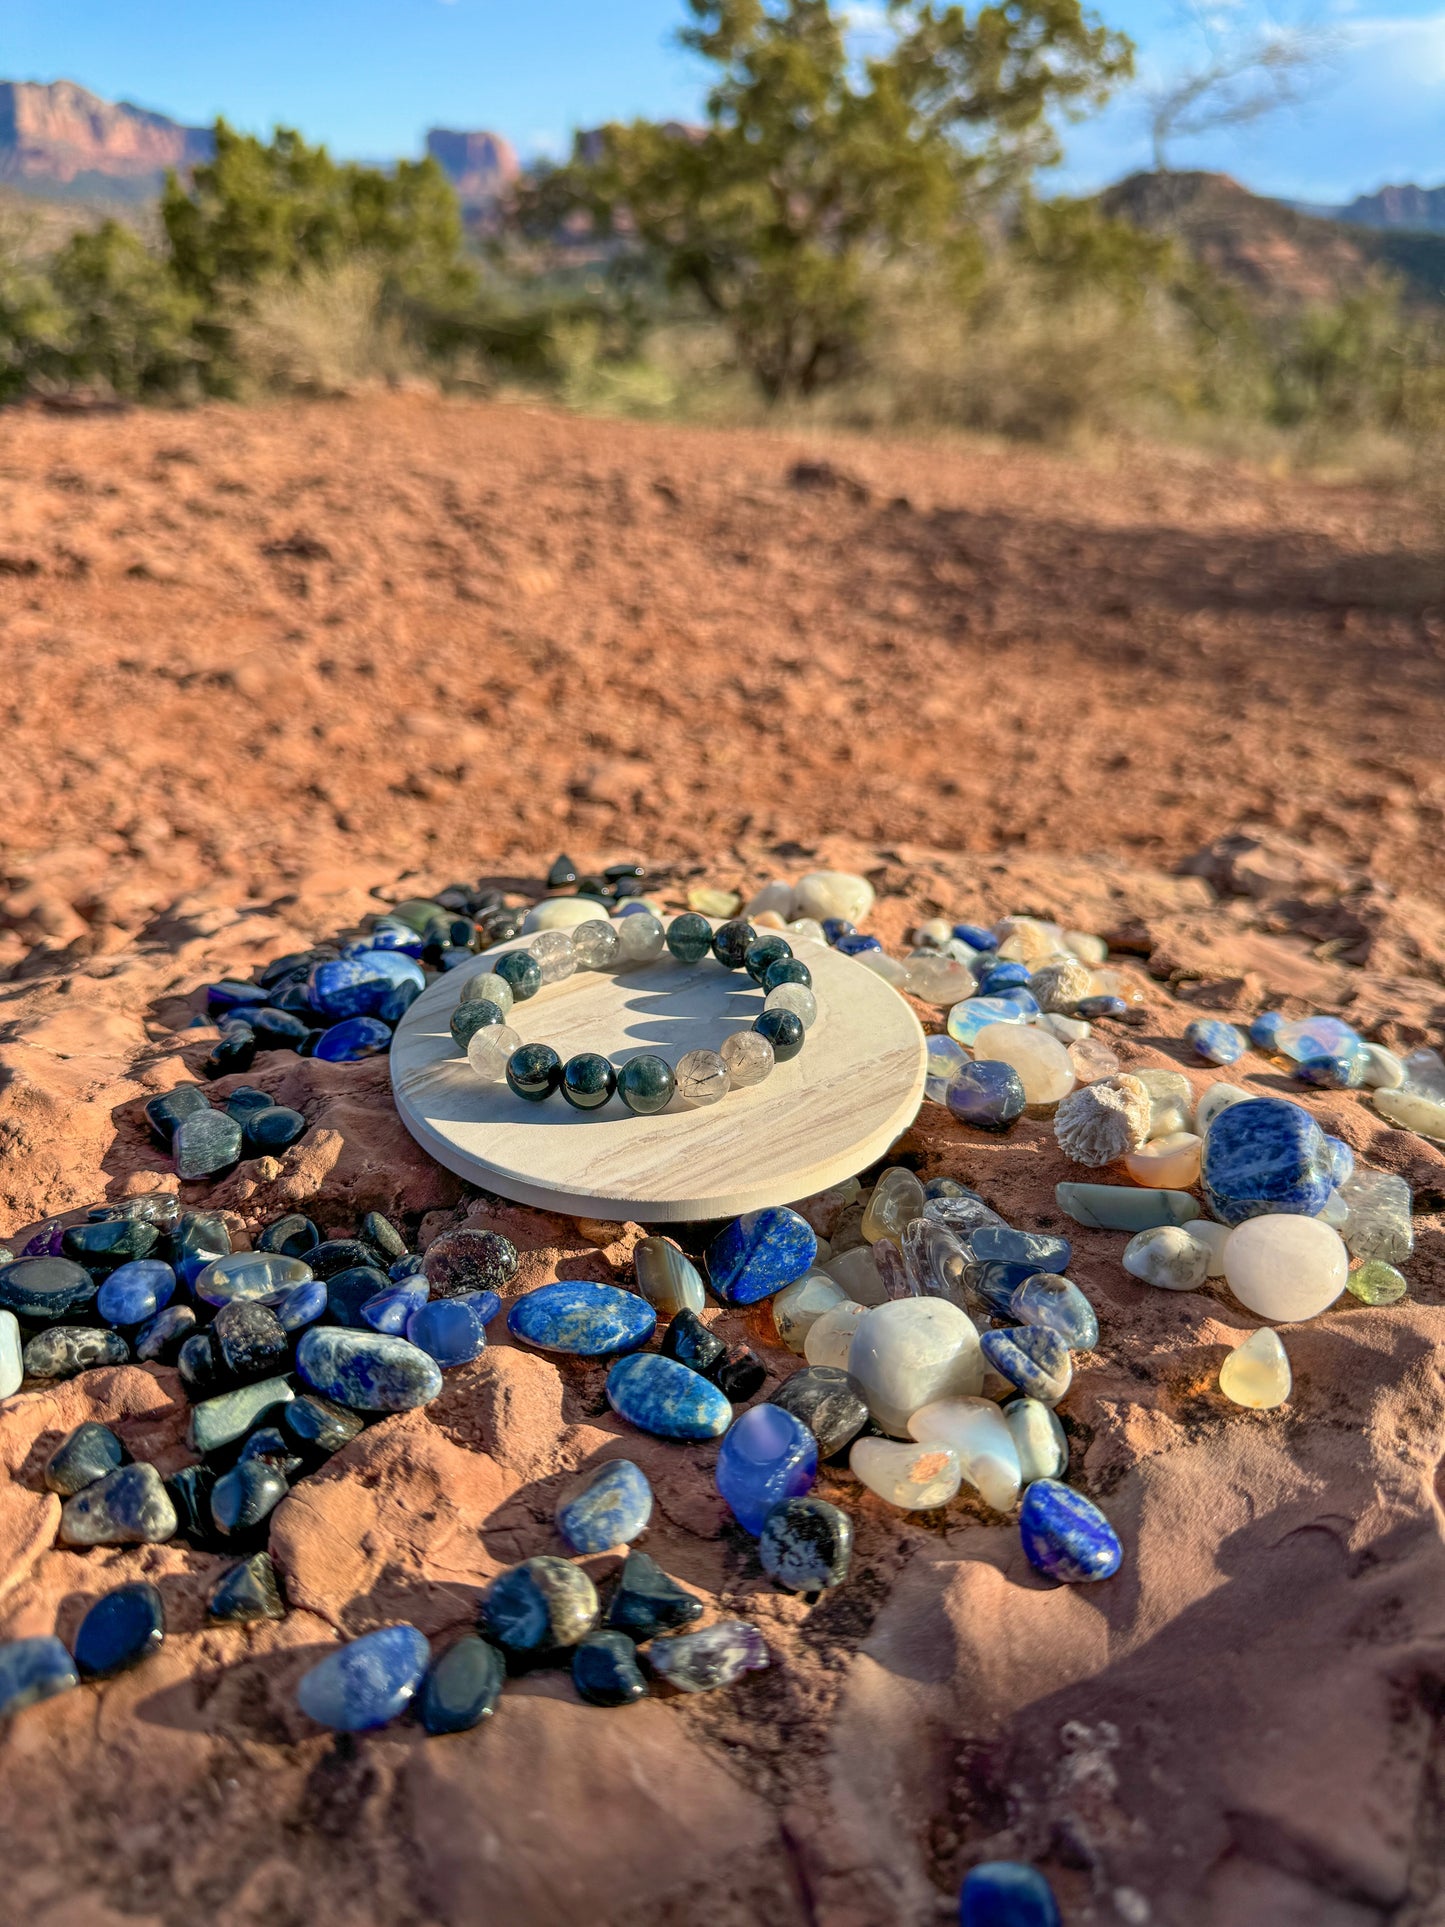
[{"x": 1240, "y": 78}]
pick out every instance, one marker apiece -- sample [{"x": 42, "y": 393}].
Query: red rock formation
[
  {"x": 480, "y": 166},
  {"x": 56, "y": 132}
]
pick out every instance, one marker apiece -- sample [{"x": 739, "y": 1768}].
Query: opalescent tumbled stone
[
  {"x": 64, "y": 1351},
  {"x": 939, "y": 980},
  {"x": 450, "y": 1330},
  {"x": 221, "y": 1421},
  {"x": 608, "y": 1507},
  {"x": 88, "y": 1453},
  {"x": 32, "y": 1670},
  {"x": 988, "y": 1095},
  {"x": 667, "y": 1278},
  {"x": 647, "y": 1601},
  {"x": 897, "y": 1199},
  {"x": 767, "y": 1455},
  {"x": 1041, "y": 1061},
  {"x": 1168, "y": 1256},
  {"x": 967, "y": 1021},
  {"x": 1033, "y": 1358},
  {"x": 536, "y": 1607},
  {"x": 1285, "y": 1268},
  {"x": 12, "y": 1357},
  {"x": 42, "y": 1291},
  {"x": 829, "y": 1338},
  {"x": 367, "y": 1370},
  {"x": 944, "y": 1058},
  {"x": 798, "y": 1306},
  {"x": 128, "y": 1507},
  {"x": 1377, "y": 1283},
  {"x": 584, "y": 1319},
  {"x": 1039, "y": 1439},
  {"x": 1379, "y": 1223},
  {"x": 366, "y": 1684},
  {"x": 1265, "y": 1156},
  {"x": 806, "y": 1544},
  {"x": 910, "y": 1353},
  {"x": 1007, "y": 1893},
  {"x": 760, "y": 1253},
  {"x": 205, "y": 1144},
  {"x": 914, "y": 1477},
  {"x": 1065, "y": 1536},
  {"x": 135, "y": 1292},
  {"x": 1383, "y": 1070},
  {"x": 605, "y": 1670},
  {"x": 660, "y": 1396},
  {"x": 1166, "y": 1163},
  {"x": 716, "y": 1656},
  {"x": 248, "y": 1591},
  {"x": 976, "y": 1431},
  {"x": 463, "y": 1687},
  {"x": 1123, "y": 1207},
  {"x": 1059, "y": 1306},
  {"x": 123, "y": 1627},
  {"x": 249, "y": 1274},
  {"x": 1001, "y": 1244},
  {"x": 1257, "y": 1372},
  {"x": 1216, "y": 1042}
]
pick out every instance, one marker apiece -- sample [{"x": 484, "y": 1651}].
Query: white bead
[
  {"x": 1041, "y": 1061},
  {"x": 489, "y": 1050},
  {"x": 1167, "y": 1256},
  {"x": 702, "y": 1077},
  {"x": 829, "y": 1338},
  {"x": 977, "y": 1431},
  {"x": 596, "y": 944},
  {"x": 1285, "y": 1268},
  {"x": 489, "y": 988},
  {"x": 640, "y": 937},
  {"x": 914, "y": 1477},
  {"x": 796, "y": 998},
  {"x": 799, "y": 1306},
  {"x": 748, "y": 1056},
  {"x": 911, "y": 1352},
  {"x": 554, "y": 954},
  {"x": 1257, "y": 1372},
  {"x": 833, "y": 893}
]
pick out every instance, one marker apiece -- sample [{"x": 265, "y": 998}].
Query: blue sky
[{"x": 369, "y": 76}]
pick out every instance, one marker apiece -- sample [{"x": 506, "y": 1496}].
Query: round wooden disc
[{"x": 838, "y": 1105}]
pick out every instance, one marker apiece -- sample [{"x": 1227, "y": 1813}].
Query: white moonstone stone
[
  {"x": 1086, "y": 947},
  {"x": 555, "y": 956},
  {"x": 1167, "y": 1256},
  {"x": 1041, "y": 1061},
  {"x": 799, "y": 1306},
  {"x": 987, "y": 1455},
  {"x": 1214, "y": 1099},
  {"x": 912, "y": 1476},
  {"x": 829, "y": 1339},
  {"x": 1204, "y": 1231},
  {"x": 808, "y": 927},
  {"x": 1257, "y": 1372},
  {"x": 748, "y": 1056},
  {"x": 796, "y": 998},
  {"x": 1413, "y": 1111},
  {"x": 896, "y": 1201},
  {"x": 1171, "y": 1101},
  {"x": 910, "y": 1352},
  {"x": 855, "y": 1272},
  {"x": 1027, "y": 940},
  {"x": 1039, "y": 1439},
  {"x": 1167, "y": 1163},
  {"x": 776, "y": 896},
  {"x": 1284, "y": 1268},
  {"x": 833, "y": 893},
  {"x": 489, "y": 988},
  {"x": 938, "y": 980},
  {"x": 639, "y": 936},
  {"x": 489, "y": 1050},
  {"x": 891, "y": 969},
  {"x": 596, "y": 944},
  {"x": 1068, "y": 1030},
  {"x": 1384, "y": 1071},
  {"x": 702, "y": 1077},
  {"x": 12, "y": 1369},
  {"x": 558, "y": 913}
]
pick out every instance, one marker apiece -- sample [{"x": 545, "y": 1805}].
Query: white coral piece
[
  {"x": 1103, "y": 1121},
  {"x": 1059, "y": 986}
]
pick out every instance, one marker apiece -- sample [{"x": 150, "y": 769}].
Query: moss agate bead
[
  {"x": 787, "y": 970},
  {"x": 520, "y": 969},
  {"x": 764, "y": 952},
  {"x": 689, "y": 937},
  {"x": 468, "y": 1018},
  {"x": 534, "y": 1072},
  {"x": 645, "y": 1084},
  {"x": 588, "y": 1081},
  {"x": 732, "y": 942},
  {"x": 783, "y": 1030}
]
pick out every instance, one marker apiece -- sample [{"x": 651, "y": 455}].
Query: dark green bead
[
  {"x": 786, "y": 970},
  {"x": 731, "y": 943},
  {"x": 588, "y": 1081},
  {"x": 522, "y": 971},
  {"x": 689, "y": 937},
  {"x": 783, "y": 1030},
  {"x": 468, "y": 1019},
  {"x": 534, "y": 1071},
  {"x": 463, "y": 1687},
  {"x": 646, "y": 1084},
  {"x": 765, "y": 951}
]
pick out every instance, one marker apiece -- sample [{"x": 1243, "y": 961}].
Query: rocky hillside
[
  {"x": 62, "y": 137},
  {"x": 480, "y": 166}
]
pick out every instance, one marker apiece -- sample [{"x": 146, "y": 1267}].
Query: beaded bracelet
[{"x": 645, "y": 1083}]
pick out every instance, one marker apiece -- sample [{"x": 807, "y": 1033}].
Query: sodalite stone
[
  {"x": 658, "y": 1395},
  {"x": 1007, "y": 1893},
  {"x": 717, "y": 1656},
  {"x": 367, "y": 1370},
  {"x": 32, "y": 1670},
  {"x": 355, "y": 1038},
  {"x": 759, "y": 1253},
  {"x": 768, "y": 1455},
  {"x": 1266, "y": 1155},
  {"x": 609, "y": 1507},
  {"x": 1216, "y": 1042},
  {"x": 1033, "y": 1358},
  {"x": 452, "y": 1331},
  {"x": 1001, "y": 976},
  {"x": 583, "y": 1319},
  {"x": 121, "y": 1629},
  {"x": 388, "y": 1311},
  {"x": 1057, "y": 1305},
  {"x": 463, "y": 1688},
  {"x": 366, "y": 1684},
  {"x": 1000, "y": 1244},
  {"x": 1265, "y": 1029},
  {"x": 1124, "y": 1207},
  {"x": 129, "y": 1507},
  {"x": 975, "y": 936},
  {"x": 44, "y": 1290},
  {"x": 987, "y": 1095},
  {"x": 1065, "y": 1535}
]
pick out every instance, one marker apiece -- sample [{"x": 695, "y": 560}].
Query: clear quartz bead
[
  {"x": 796, "y": 998},
  {"x": 748, "y": 1056},
  {"x": 640, "y": 937},
  {"x": 595, "y": 944},
  {"x": 489, "y": 988},
  {"x": 703, "y": 1077},
  {"x": 489, "y": 1050},
  {"x": 555, "y": 955}
]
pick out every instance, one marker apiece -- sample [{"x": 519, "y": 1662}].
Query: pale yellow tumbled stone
[
  {"x": 558, "y": 913},
  {"x": 1171, "y": 1101},
  {"x": 896, "y": 1201},
  {"x": 1215, "y": 1098},
  {"x": 1204, "y": 1231},
  {"x": 1257, "y": 1372},
  {"x": 709, "y": 901},
  {"x": 1093, "y": 1060},
  {"x": 1285, "y": 1268},
  {"x": 1026, "y": 940},
  {"x": 1119, "y": 983},
  {"x": 976, "y": 1429},
  {"x": 1041, "y": 1061},
  {"x": 856, "y": 1273},
  {"x": 1086, "y": 947},
  {"x": 799, "y": 1306},
  {"x": 914, "y": 1477},
  {"x": 829, "y": 1339},
  {"x": 767, "y": 920},
  {"x": 1413, "y": 1111},
  {"x": 1167, "y": 1163},
  {"x": 833, "y": 893},
  {"x": 935, "y": 979}
]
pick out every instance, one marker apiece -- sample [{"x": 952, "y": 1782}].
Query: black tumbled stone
[
  {"x": 235, "y": 1051},
  {"x": 247, "y": 1591},
  {"x": 463, "y": 1687},
  {"x": 319, "y": 1423},
  {"x": 688, "y": 1340},
  {"x": 164, "y": 1113},
  {"x": 278, "y": 1029},
  {"x": 338, "y": 1254},
  {"x": 83, "y": 1456},
  {"x": 347, "y": 1291},
  {"x": 244, "y": 1498},
  {"x": 382, "y": 1233},
  {"x": 160, "y": 1339},
  {"x": 122, "y": 1628},
  {"x": 199, "y": 1368},
  {"x": 562, "y": 874},
  {"x": 113, "y": 1242},
  {"x": 647, "y": 1601},
  {"x": 245, "y": 1099},
  {"x": 292, "y": 1236},
  {"x": 190, "y": 1494},
  {"x": 207, "y": 1144},
  {"x": 822, "y": 1396},
  {"x": 806, "y": 1544},
  {"x": 605, "y": 1670},
  {"x": 42, "y": 1291},
  {"x": 499, "y": 926},
  {"x": 274, "y": 1129},
  {"x": 272, "y": 1448},
  {"x": 739, "y": 1374},
  {"x": 250, "y": 1341}
]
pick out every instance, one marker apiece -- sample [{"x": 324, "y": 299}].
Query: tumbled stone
[
  {"x": 667, "y": 1278},
  {"x": 609, "y": 1506},
  {"x": 253, "y": 1275},
  {"x": 823, "y": 1398},
  {"x": 582, "y": 1319},
  {"x": 123, "y": 1627},
  {"x": 269, "y": 1132},
  {"x": 1379, "y": 1223},
  {"x": 910, "y": 1353},
  {"x": 718, "y": 1655},
  {"x": 1413, "y": 1110},
  {"x": 12, "y": 1357},
  {"x": 536, "y": 1607},
  {"x": 197, "y": 1241},
  {"x": 189, "y": 1491},
  {"x": 806, "y": 1544},
  {"x": 1377, "y": 1283},
  {"x": 1033, "y": 1358},
  {"x": 135, "y": 1292},
  {"x": 63, "y": 1351},
  {"x": 692, "y": 1343},
  {"x": 1007, "y": 1893},
  {"x": 1266, "y": 1156},
  {"x": 968, "y": 1021},
  {"x": 250, "y": 1341},
  {"x": 1342, "y": 1160},
  {"x": 767, "y": 1455},
  {"x": 42, "y": 1291},
  {"x": 468, "y": 1260},
  {"x": 452, "y": 1330},
  {"x": 366, "y": 1684},
  {"x": 106, "y": 1244},
  {"x": 32, "y": 1670},
  {"x": 463, "y": 1687},
  {"x": 1166, "y": 1163},
  {"x": 1257, "y": 1372},
  {"x": 1214, "y": 1099},
  {"x": 975, "y": 1429},
  {"x": 914, "y": 1477},
  {"x": 759, "y": 1253},
  {"x": 246, "y": 1592},
  {"x": 988, "y": 1096},
  {"x": 244, "y": 1498},
  {"x": 347, "y": 1291},
  {"x": 221, "y": 1421},
  {"x": 1001, "y": 1244},
  {"x": 945, "y": 1059},
  {"x": 1168, "y": 1256},
  {"x": 353, "y": 1039},
  {"x": 1039, "y": 1439},
  {"x": 833, "y": 893},
  {"x": 367, "y": 1370},
  {"x": 937, "y": 1260},
  {"x": 271, "y": 1447},
  {"x": 1285, "y": 1268},
  {"x": 1059, "y": 1306},
  {"x": 1124, "y": 1207},
  {"x": 829, "y": 1340},
  {"x": 165, "y": 1113},
  {"x": 996, "y": 1284},
  {"x": 128, "y": 1507},
  {"x": 661, "y": 1396},
  {"x": 319, "y": 1424},
  {"x": 1065, "y": 1536},
  {"x": 856, "y": 1274},
  {"x": 83, "y": 1456},
  {"x": 647, "y": 1601},
  {"x": 1092, "y": 1060},
  {"x": 198, "y": 1367},
  {"x": 1382, "y": 1070},
  {"x": 798, "y": 1306},
  {"x": 206, "y": 1143},
  {"x": 1216, "y": 1042},
  {"x": 961, "y": 1211},
  {"x": 389, "y": 1310},
  {"x": 939, "y": 980},
  {"x": 605, "y": 1670},
  {"x": 1041, "y": 1061}
]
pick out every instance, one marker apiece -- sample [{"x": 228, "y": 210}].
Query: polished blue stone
[
  {"x": 987, "y": 1095},
  {"x": 835, "y": 928},
  {"x": 347, "y": 1291},
  {"x": 1322, "y": 1037},
  {"x": 407, "y": 1267},
  {"x": 1264, "y": 1030},
  {"x": 357, "y": 1037},
  {"x": 1265, "y": 1155},
  {"x": 369, "y": 1371},
  {"x": 1342, "y": 1161},
  {"x": 1331, "y": 1070},
  {"x": 1216, "y": 1042},
  {"x": 1057, "y": 1305},
  {"x": 855, "y": 944},
  {"x": 389, "y": 1310},
  {"x": 999, "y": 1244},
  {"x": 229, "y": 995},
  {"x": 302, "y": 1305},
  {"x": 1091, "y": 1007},
  {"x": 660, "y": 1396},
  {"x": 387, "y": 934},
  {"x": 760, "y": 1253},
  {"x": 31, "y": 1670},
  {"x": 1033, "y": 1357},
  {"x": 199, "y": 1238},
  {"x": 358, "y": 986},
  {"x": 486, "y": 1304},
  {"x": 581, "y": 1318},
  {"x": 450, "y": 1330},
  {"x": 366, "y": 1684},
  {"x": 610, "y": 1506},
  {"x": 1007, "y": 1893},
  {"x": 996, "y": 1284},
  {"x": 135, "y": 1292},
  {"x": 1065, "y": 1535},
  {"x": 122, "y": 1628},
  {"x": 768, "y": 1455},
  {"x": 1001, "y": 975},
  {"x": 975, "y": 936}
]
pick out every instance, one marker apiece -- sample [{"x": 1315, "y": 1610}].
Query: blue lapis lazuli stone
[
  {"x": 1216, "y": 1042},
  {"x": 369, "y": 1371},
  {"x": 389, "y": 1310},
  {"x": 670, "y": 1400},
  {"x": 975, "y": 936},
  {"x": 1065, "y": 1535},
  {"x": 581, "y": 1318},
  {"x": 1033, "y": 1357},
  {"x": 610, "y": 1507},
  {"x": 486, "y": 1304},
  {"x": 366, "y": 1684},
  {"x": 1264, "y": 1030},
  {"x": 759, "y": 1253},
  {"x": 999, "y": 1244},
  {"x": 768, "y": 1455},
  {"x": 1265, "y": 1155},
  {"x": 359, "y": 985},
  {"x": 1342, "y": 1161},
  {"x": 227, "y": 996},
  {"x": 1059, "y": 1306},
  {"x": 357, "y": 1037},
  {"x": 389, "y": 934},
  {"x": 855, "y": 944},
  {"x": 450, "y": 1330},
  {"x": 1001, "y": 975},
  {"x": 31, "y": 1670},
  {"x": 836, "y": 927},
  {"x": 302, "y": 1305},
  {"x": 987, "y": 1095},
  {"x": 1007, "y": 1893},
  {"x": 135, "y": 1292}
]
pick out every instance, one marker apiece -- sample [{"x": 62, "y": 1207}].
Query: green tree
[
  {"x": 127, "y": 323},
  {"x": 816, "y": 169}
]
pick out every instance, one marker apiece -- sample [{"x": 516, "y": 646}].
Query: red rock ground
[{"x": 267, "y": 670}]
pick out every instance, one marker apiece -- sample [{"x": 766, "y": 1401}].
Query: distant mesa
[
  {"x": 59, "y": 136},
  {"x": 480, "y": 166},
  {"x": 1420, "y": 208}
]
